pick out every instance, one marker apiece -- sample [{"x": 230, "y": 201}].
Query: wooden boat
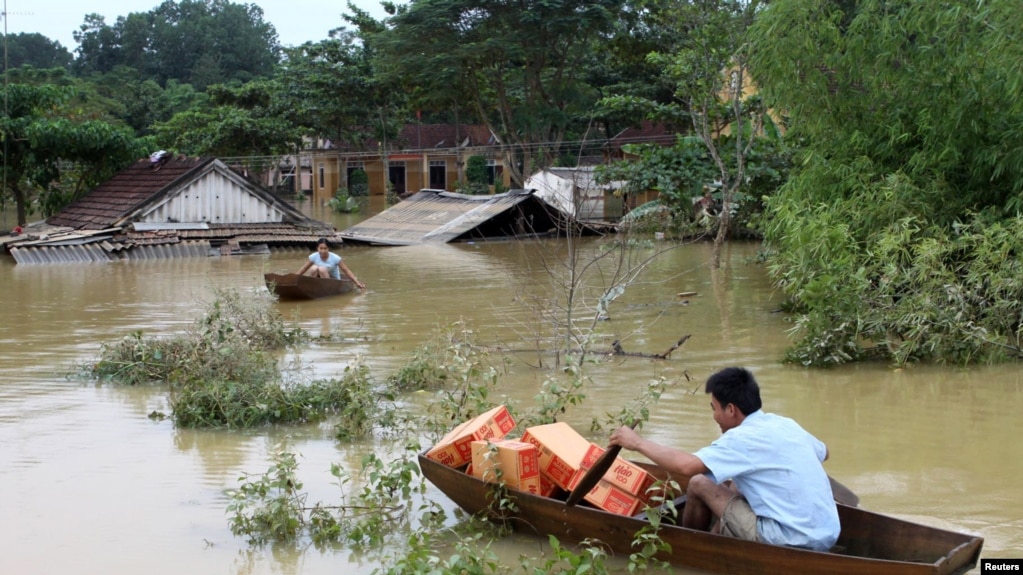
[
  {"x": 296, "y": 287},
  {"x": 870, "y": 543}
]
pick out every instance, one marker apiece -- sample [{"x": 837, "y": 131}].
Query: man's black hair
[{"x": 735, "y": 385}]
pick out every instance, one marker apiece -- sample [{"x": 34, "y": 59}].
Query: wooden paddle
[
  {"x": 841, "y": 493},
  {"x": 594, "y": 473}
]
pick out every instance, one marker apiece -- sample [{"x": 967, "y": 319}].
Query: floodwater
[{"x": 90, "y": 485}]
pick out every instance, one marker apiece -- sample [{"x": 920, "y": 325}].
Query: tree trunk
[{"x": 20, "y": 202}]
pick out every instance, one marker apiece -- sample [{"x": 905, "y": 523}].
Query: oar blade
[
  {"x": 843, "y": 494},
  {"x": 593, "y": 475}
]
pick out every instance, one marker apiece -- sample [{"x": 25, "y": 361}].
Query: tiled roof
[
  {"x": 646, "y": 133},
  {"x": 119, "y": 196},
  {"x": 428, "y": 136}
]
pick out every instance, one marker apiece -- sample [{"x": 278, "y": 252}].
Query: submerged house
[
  {"x": 173, "y": 207},
  {"x": 576, "y": 192},
  {"x": 437, "y": 216}
]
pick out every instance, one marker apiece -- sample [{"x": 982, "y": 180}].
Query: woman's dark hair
[
  {"x": 737, "y": 386},
  {"x": 323, "y": 241}
]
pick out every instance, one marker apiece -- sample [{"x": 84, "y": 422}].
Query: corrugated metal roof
[
  {"x": 433, "y": 216},
  {"x": 61, "y": 254},
  {"x": 170, "y": 250}
]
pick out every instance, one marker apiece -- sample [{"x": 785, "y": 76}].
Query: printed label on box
[
  {"x": 512, "y": 462},
  {"x": 561, "y": 451},
  {"x": 455, "y": 448},
  {"x": 609, "y": 498},
  {"x": 622, "y": 474}
]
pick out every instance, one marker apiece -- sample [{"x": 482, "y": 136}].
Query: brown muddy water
[{"x": 90, "y": 485}]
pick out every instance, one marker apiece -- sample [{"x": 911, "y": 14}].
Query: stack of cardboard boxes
[
  {"x": 548, "y": 460},
  {"x": 455, "y": 448},
  {"x": 566, "y": 456}
]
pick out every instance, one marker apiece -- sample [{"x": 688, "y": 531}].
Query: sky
[{"x": 296, "y": 21}]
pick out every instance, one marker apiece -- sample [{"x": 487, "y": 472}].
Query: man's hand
[{"x": 626, "y": 437}]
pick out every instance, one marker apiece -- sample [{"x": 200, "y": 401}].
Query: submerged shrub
[
  {"x": 387, "y": 504},
  {"x": 223, "y": 374},
  {"x": 343, "y": 202},
  {"x": 251, "y": 315},
  {"x": 270, "y": 506},
  {"x": 914, "y": 293},
  {"x": 453, "y": 357},
  {"x": 226, "y": 343},
  {"x": 252, "y": 402}
]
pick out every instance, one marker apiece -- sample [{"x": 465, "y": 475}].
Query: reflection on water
[{"x": 91, "y": 485}]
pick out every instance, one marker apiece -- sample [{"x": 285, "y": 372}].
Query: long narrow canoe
[
  {"x": 296, "y": 287},
  {"x": 870, "y": 543}
]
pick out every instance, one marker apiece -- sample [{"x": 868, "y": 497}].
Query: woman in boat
[
  {"x": 326, "y": 264},
  {"x": 762, "y": 479}
]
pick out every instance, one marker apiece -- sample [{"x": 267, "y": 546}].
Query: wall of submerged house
[{"x": 403, "y": 172}]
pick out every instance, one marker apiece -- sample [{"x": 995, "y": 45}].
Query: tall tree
[
  {"x": 911, "y": 180},
  {"x": 98, "y": 46},
  {"x": 35, "y": 50},
  {"x": 709, "y": 67},
  {"x": 704, "y": 58},
  {"x": 50, "y": 157},
  {"x": 200, "y": 42},
  {"x": 330, "y": 84},
  {"x": 518, "y": 64},
  {"x": 247, "y": 120}
]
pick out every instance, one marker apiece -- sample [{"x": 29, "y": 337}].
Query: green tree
[
  {"x": 246, "y": 120},
  {"x": 518, "y": 64},
  {"x": 200, "y": 42},
  {"x": 620, "y": 65},
  {"x": 358, "y": 183},
  {"x": 709, "y": 70},
  {"x": 330, "y": 85},
  {"x": 704, "y": 59},
  {"x": 911, "y": 176},
  {"x": 35, "y": 50},
  {"x": 98, "y": 46},
  {"x": 51, "y": 157}
]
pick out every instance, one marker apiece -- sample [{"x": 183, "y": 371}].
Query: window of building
[
  {"x": 396, "y": 177},
  {"x": 438, "y": 174},
  {"x": 495, "y": 172},
  {"x": 323, "y": 175}
]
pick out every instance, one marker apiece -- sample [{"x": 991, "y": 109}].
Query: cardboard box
[
  {"x": 609, "y": 498},
  {"x": 622, "y": 474},
  {"x": 561, "y": 451},
  {"x": 549, "y": 489},
  {"x": 509, "y": 461},
  {"x": 455, "y": 448}
]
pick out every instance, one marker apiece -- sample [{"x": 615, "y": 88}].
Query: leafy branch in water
[
  {"x": 223, "y": 374},
  {"x": 271, "y": 507}
]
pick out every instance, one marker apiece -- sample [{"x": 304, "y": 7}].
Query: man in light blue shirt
[{"x": 763, "y": 477}]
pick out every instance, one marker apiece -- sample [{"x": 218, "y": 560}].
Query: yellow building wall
[{"x": 334, "y": 167}]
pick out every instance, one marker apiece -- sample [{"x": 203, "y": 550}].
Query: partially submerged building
[
  {"x": 173, "y": 207},
  {"x": 437, "y": 216}
]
